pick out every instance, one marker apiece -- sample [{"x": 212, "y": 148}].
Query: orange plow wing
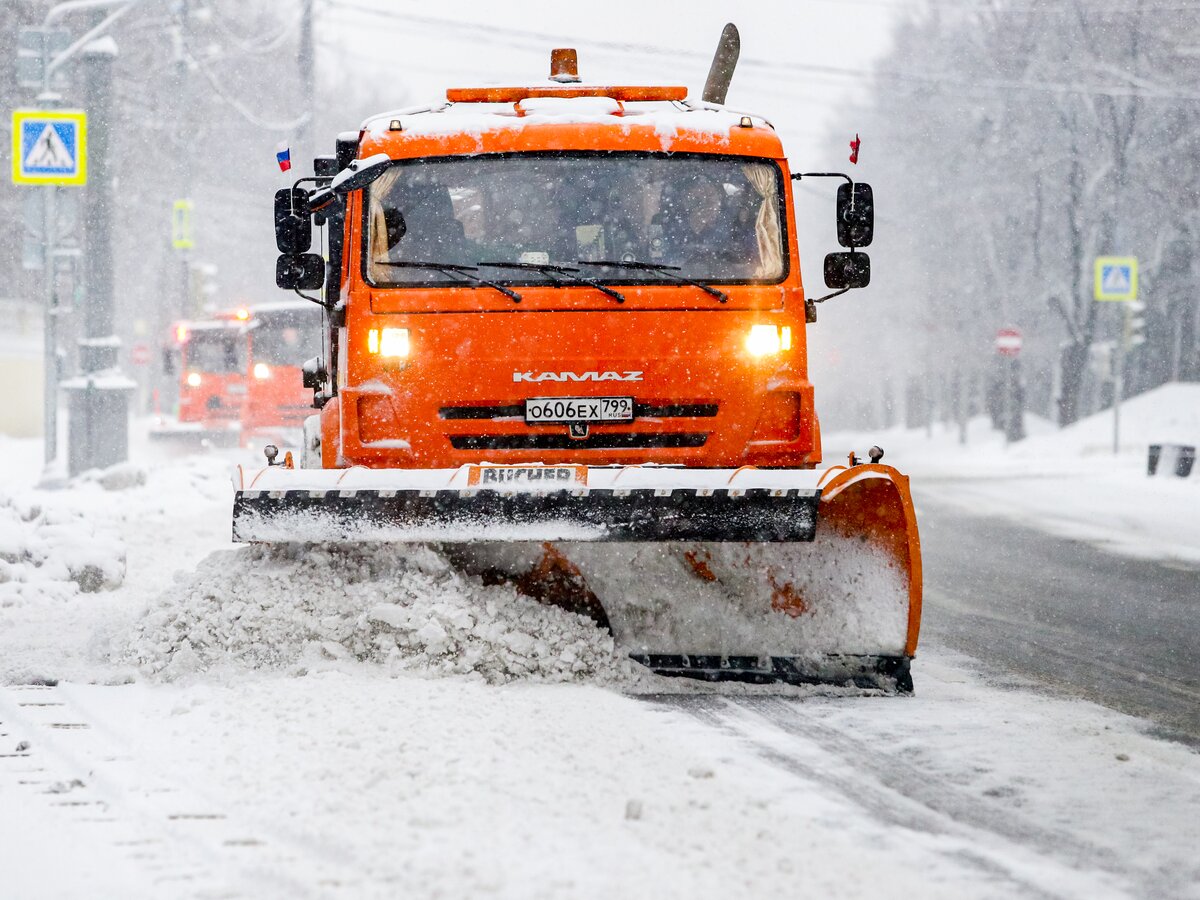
[{"x": 843, "y": 608}]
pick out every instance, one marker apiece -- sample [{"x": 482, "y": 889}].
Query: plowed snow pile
[
  {"x": 53, "y": 553},
  {"x": 292, "y": 604}
]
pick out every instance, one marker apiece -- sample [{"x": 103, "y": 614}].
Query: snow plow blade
[
  {"x": 759, "y": 575},
  {"x": 565, "y": 503}
]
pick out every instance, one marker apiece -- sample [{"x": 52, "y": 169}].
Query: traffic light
[
  {"x": 1100, "y": 359},
  {"x": 1135, "y": 324}
]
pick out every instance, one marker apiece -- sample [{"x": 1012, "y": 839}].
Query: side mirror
[
  {"x": 300, "y": 272},
  {"x": 360, "y": 173},
  {"x": 293, "y": 221},
  {"x": 313, "y": 373},
  {"x": 855, "y": 215},
  {"x": 168, "y": 361},
  {"x": 844, "y": 271}
]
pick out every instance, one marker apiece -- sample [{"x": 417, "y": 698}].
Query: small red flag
[{"x": 854, "y": 145}]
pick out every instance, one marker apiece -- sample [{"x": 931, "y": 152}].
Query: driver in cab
[{"x": 698, "y": 236}]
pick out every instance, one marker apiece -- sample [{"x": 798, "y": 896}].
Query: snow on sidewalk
[
  {"x": 1066, "y": 482},
  {"x": 80, "y": 562}
]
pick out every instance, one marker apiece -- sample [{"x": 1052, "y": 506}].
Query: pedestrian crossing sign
[
  {"x": 1116, "y": 278},
  {"x": 49, "y": 147}
]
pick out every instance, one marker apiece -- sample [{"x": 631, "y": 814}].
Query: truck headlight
[
  {"x": 262, "y": 371},
  {"x": 764, "y": 340},
  {"x": 388, "y": 342},
  {"x": 193, "y": 379}
]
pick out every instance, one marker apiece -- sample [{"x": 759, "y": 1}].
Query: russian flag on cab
[{"x": 283, "y": 155}]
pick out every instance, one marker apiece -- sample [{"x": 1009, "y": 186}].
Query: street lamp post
[{"x": 99, "y": 417}]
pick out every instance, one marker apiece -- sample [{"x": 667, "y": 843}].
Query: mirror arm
[
  {"x": 827, "y": 296},
  {"x": 317, "y": 180},
  {"x": 328, "y": 307},
  {"x": 797, "y": 176}
]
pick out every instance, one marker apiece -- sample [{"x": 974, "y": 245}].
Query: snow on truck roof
[
  {"x": 563, "y": 113},
  {"x": 541, "y": 106}
]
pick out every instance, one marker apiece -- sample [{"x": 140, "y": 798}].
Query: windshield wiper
[
  {"x": 668, "y": 271},
  {"x": 552, "y": 272},
  {"x": 465, "y": 271}
]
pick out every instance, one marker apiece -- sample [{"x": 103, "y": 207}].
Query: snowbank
[
  {"x": 1066, "y": 482},
  {"x": 1167, "y": 414},
  {"x": 295, "y": 605},
  {"x": 53, "y": 553}
]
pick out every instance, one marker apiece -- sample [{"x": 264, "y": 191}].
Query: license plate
[
  {"x": 541, "y": 410},
  {"x": 517, "y": 476}
]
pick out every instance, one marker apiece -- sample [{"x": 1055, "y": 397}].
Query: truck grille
[
  {"x": 640, "y": 411},
  {"x": 601, "y": 441}
]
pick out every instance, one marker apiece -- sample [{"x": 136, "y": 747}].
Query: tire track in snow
[
  {"x": 171, "y": 837},
  {"x": 1009, "y": 851}
]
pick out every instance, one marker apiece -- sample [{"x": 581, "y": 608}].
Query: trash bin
[
  {"x": 1171, "y": 460},
  {"x": 98, "y": 424}
]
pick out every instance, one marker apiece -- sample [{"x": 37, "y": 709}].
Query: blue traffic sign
[
  {"x": 1116, "y": 278},
  {"x": 49, "y": 147}
]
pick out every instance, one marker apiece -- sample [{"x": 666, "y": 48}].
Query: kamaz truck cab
[{"x": 566, "y": 331}]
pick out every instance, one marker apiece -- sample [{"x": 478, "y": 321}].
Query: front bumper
[{"x": 618, "y": 503}]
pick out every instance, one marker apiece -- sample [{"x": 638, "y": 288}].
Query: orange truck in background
[
  {"x": 279, "y": 338},
  {"x": 209, "y": 358},
  {"x": 565, "y": 334}
]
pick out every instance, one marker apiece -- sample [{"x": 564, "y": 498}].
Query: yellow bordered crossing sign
[
  {"x": 1116, "y": 278},
  {"x": 49, "y": 146}
]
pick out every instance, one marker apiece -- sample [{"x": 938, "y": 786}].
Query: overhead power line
[
  {"x": 539, "y": 40},
  {"x": 229, "y": 99}
]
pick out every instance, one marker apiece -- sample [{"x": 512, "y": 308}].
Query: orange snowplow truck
[
  {"x": 210, "y": 356},
  {"x": 567, "y": 342}
]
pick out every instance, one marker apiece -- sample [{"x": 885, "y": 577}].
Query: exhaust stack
[{"x": 723, "y": 64}]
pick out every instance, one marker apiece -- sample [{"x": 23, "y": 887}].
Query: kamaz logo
[{"x": 577, "y": 376}]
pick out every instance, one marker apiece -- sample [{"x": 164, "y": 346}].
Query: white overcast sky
[{"x": 425, "y": 47}]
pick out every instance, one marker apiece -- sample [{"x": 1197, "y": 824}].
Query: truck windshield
[
  {"x": 715, "y": 218},
  {"x": 215, "y": 351}
]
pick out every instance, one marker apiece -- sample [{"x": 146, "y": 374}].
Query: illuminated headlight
[
  {"x": 767, "y": 339},
  {"x": 388, "y": 342},
  {"x": 261, "y": 371},
  {"x": 193, "y": 379}
]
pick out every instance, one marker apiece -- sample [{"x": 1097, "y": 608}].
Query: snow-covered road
[
  {"x": 351, "y": 783},
  {"x": 1118, "y": 630},
  {"x": 226, "y": 724}
]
